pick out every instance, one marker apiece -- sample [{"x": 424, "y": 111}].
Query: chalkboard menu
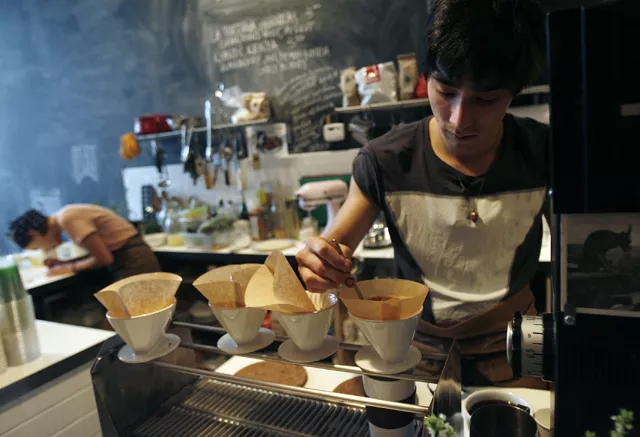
[{"x": 295, "y": 49}]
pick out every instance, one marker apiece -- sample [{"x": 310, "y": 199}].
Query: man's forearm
[
  {"x": 351, "y": 239},
  {"x": 89, "y": 263}
]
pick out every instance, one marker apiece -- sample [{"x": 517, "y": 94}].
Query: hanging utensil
[
  {"x": 184, "y": 147},
  {"x": 208, "y": 152},
  {"x": 227, "y": 155}
]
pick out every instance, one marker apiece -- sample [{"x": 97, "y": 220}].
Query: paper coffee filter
[
  {"x": 225, "y": 286},
  {"x": 111, "y": 300},
  {"x": 276, "y": 287},
  {"x": 148, "y": 296},
  {"x": 222, "y": 294},
  {"x": 407, "y": 299},
  {"x": 171, "y": 277},
  {"x": 140, "y": 294}
]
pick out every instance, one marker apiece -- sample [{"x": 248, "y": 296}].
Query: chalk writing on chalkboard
[
  {"x": 309, "y": 96},
  {"x": 278, "y": 52},
  {"x": 273, "y": 44}
]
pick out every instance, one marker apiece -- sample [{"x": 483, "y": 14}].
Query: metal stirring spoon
[{"x": 336, "y": 246}]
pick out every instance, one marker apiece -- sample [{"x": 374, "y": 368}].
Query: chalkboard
[
  {"x": 295, "y": 49},
  {"x": 75, "y": 73}
]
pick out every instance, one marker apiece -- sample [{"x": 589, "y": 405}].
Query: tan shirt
[{"x": 81, "y": 220}]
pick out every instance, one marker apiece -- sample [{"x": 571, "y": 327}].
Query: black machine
[{"x": 590, "y": 346}]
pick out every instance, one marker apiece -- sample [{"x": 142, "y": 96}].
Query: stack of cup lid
[
  {"x": 3, "y": 358},
  {"x": 17, "y": 316}
]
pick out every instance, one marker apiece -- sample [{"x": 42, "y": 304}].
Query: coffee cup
[
  {"x": 492, "y": 420},
  {"x": 492, "y": 396}
]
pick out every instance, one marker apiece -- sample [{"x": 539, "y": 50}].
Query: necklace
[{"x": 473, "y": 214}]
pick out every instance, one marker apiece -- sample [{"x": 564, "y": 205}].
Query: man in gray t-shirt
[{"x": 462, "y": 191}]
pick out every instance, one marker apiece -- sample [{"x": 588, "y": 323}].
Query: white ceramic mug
[
  {"x": 543, "y": 419},
  {"x": 491, "y": 395}
]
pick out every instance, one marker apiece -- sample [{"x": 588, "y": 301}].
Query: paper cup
[
  {"x": 142, "y": 333},
  {"x": 390, "y": 338},
  {"x": 242, "y": 324},
  {"x": 308, "y": 330}
]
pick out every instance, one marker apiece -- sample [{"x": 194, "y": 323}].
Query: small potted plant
[
  {"x": 622, "y": 423},
  {"x": 437, "y": 426}
]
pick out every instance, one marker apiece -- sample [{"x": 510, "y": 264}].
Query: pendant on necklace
[{"x": 473, "y": 215}]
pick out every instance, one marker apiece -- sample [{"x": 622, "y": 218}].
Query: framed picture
[{"x": 600, "y": 263}]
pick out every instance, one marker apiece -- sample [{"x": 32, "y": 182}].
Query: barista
[
  {"x": 463, "y": 190},
  {"x": 110, "y": 239}
]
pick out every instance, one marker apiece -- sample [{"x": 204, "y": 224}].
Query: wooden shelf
[
  {"x": 418, "y": 103},
  {"x": 414, "y": 103}
]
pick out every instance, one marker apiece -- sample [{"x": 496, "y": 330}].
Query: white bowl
[
  {"x": 242, "y": 324},
  {"x": 197, "y": 241},
  {"x": 155, "y": 240},
  {"x": 142, "y": 333},
  {"x": 391, "y": 339}
]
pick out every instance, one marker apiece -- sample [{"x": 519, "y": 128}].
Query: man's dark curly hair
[
  {"x": 495, "y": 43},
  {"x": 31, "y": 220}
]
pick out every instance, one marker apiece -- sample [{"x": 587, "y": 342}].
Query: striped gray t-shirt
[{"x": 469, "y": 267}]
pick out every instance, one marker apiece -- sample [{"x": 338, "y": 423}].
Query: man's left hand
[{"x": 61, "y": 269}]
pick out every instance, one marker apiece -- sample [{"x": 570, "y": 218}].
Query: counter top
[
  {"x": 328, "y": 380},
  {"x": 63, "y": 348},
  {"x": 34, "y": 277},
  {"x": 360, "y": 252}
]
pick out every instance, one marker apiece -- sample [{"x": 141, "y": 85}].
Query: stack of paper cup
[
  {"x": 19, "y": 333},
  {"x": 3, "y": 358},
  {"x": 17, "y": 318}
]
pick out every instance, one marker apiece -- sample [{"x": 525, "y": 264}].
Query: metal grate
[{"x": 227, "y": 410}]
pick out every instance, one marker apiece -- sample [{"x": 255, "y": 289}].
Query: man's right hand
[{"x": 322, "y": 267}]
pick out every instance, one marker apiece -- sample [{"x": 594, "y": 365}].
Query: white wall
[{"x": 284, "y": 174}]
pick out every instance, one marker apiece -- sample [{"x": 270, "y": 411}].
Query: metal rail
[
  {"x": 345, "y": 346},
  {"x": 309, "y": 393},
  {"x": 177, "y": 133},
  {"x": 317, "y": 364}
]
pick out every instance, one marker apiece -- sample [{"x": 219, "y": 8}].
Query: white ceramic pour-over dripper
[
  {"x": 142, "y": 333},
  {"x": 242, "y": 324},
  {"x": 308, "y": 330},
  {"x": 390, "y": 339}
]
